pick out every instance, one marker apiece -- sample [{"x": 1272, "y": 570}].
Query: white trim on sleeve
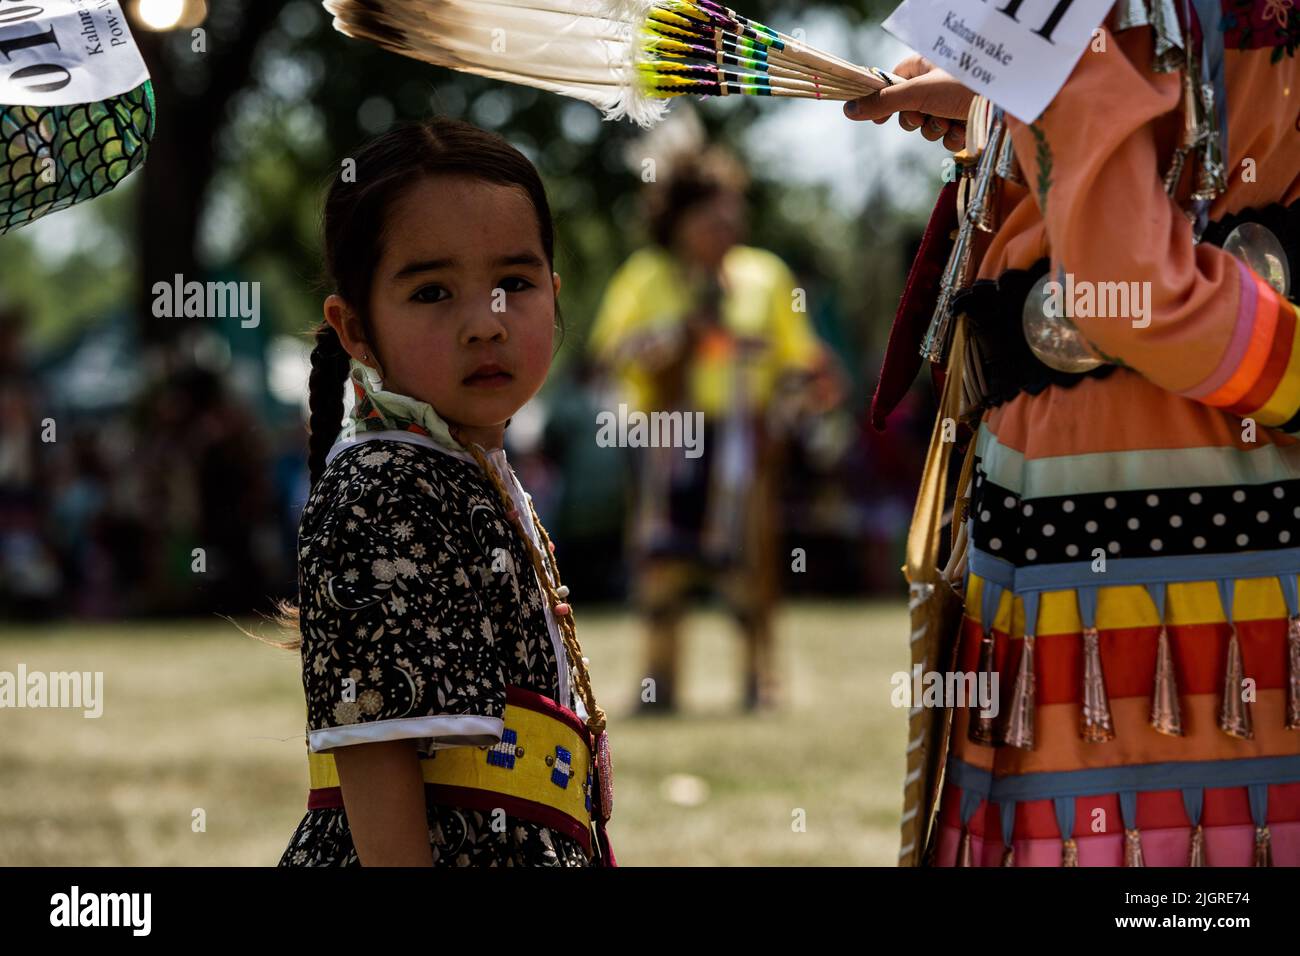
[{"x": 443, "y": 730}]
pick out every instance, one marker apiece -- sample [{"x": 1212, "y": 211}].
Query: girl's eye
[
  {"x": 429, "y": 294},
  {"x": 514, "y": 284}
]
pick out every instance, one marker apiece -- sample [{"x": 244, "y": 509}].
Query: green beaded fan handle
[{"x": 55, "y": 156}]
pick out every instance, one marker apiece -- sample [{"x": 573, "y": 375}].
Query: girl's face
[{"x": 462, "y": 303}]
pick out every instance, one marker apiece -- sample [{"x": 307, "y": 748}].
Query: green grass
[{"x": 196, "y": 716}]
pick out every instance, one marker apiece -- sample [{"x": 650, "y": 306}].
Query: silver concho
[
  {"x": 1260, "y": 249},
  {"x": 1055, "y": 340}
]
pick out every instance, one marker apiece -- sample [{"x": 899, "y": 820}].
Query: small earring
[{"x": 374, "y": 375}]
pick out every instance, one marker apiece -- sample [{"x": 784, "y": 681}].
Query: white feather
[{"x": 585, "y": 49}]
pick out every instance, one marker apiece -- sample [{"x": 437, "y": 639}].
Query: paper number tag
[
  {"x": 61, "y": 52},
  {"x": 1018, "y": 53}
]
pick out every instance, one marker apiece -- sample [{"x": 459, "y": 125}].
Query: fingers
[
  {"x": 912, "y": 96},
  {"x": 884, "y": 103},
  {"x": 930, "y": 101},
  {"x": 934, "y": 128},
  {"x": 934, "y": 93},
  {"x": 955, "y": 139},
  {"x": 912, "y": 66}
]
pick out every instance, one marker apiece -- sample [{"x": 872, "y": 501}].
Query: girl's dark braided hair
[{"x": 329, "y": 371}]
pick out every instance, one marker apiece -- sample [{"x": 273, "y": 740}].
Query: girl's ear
[
  {"x": 555, "y": 281},
  {"x": 347, "y": 326}
]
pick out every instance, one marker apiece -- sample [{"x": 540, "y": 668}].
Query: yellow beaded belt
[{"x": 541, "y": 771}]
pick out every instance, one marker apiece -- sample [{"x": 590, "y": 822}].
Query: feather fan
[{"x": 625, "y": 57}]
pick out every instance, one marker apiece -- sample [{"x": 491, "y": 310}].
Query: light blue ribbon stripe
[
  {"x": 1158, "y": 591},
  {"x": 1291, "y": 592},
  {"x": 1031, "y": 614},
  {"x": 990, "y": 597},
  {"x": 1008, "y": 811},
  {"x": 1064, "y": 815},
  {"x": 1140, "y": 778},
  {"x": 1258, "y": 797},
  {"x": 1129, "y": 571},
  {"x": 1128, "y": 808}
]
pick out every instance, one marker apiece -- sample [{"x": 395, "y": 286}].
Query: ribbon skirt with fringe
[{"x": 1133, "y": 588}]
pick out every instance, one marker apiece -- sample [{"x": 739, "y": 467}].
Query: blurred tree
[{"x": 195, "y": 78}]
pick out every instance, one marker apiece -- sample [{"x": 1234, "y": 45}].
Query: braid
[{"x": 329, "y": 370}]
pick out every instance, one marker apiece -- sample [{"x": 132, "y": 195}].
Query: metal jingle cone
[
  {"x": 1096, "y": 725},
  {"x": 1174, "y": 174},
  {"x": 986, "y": 212},
  {"x": 938, "y": 334},
  {"x": 981, "y": 730},
  {"x": 1210, "y": 181},
  {"x": 1191, "y": 134},
  {"x": 1130, "y": 14},
  {"x": 1234, "y": 714},
  {"x": 1069, "y": 852},
  {"x": 1007, "y": 167},
  {"x": 1168, "y": 39},
  {"x": 1293, "y": 673},
  {"x": 1019, "y": 729},
  {"x": 965, "y": 855},
  {"x": 1263, "y": 846},
  {"x": 1133, "y": 848},
  {"x": 1197, "y": 853},
  {"x": 605, "y": 778},
  {"x": 1166, "y": 717}
]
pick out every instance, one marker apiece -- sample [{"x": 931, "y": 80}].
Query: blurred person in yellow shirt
[{"x": 701, "y": 324}]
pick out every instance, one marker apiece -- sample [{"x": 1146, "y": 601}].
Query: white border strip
[{"x": 443, "y": 730}]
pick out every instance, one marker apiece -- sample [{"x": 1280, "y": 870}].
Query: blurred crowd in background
[{"x": 104, "y": 501}]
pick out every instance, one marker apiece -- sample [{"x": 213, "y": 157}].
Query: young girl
[{"x": 450, "y": 718}]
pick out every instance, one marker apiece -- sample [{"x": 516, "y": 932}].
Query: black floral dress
[{"x": 416, "y": 594}]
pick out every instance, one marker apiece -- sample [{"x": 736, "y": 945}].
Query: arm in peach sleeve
[{"x": 1214, "y": 331}]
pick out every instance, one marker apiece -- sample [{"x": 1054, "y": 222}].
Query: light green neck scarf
[{"x": 377, "y": 410}]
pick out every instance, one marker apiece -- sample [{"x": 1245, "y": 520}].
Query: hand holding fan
[{"x": 626, "y": 57}]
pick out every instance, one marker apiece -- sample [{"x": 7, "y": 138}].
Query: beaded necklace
[{"x": 548, "y": 576}]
